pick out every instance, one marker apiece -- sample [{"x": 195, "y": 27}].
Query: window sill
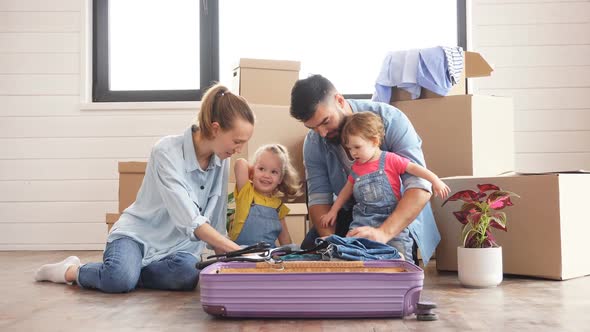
[{"x": 167, "y": 105}]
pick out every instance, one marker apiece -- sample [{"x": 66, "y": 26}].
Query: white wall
[
  {"x": 58, "y": 164},
  {"x": 541, "y": 53}
]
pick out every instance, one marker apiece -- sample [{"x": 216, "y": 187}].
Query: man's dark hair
[{"x": 307, "y": 94}]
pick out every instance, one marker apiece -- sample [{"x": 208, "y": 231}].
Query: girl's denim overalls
[
  {"x": 375, "y": 201},
  {"x": 262, "y": 224}
]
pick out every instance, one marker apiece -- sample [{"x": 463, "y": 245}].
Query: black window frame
[{"x": 209, "y": 56}]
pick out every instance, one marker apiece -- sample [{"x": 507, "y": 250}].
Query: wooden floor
[{"x": 518, "y": 304}]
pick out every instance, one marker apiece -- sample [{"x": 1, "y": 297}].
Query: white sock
[{"x": 56, "y": 272}]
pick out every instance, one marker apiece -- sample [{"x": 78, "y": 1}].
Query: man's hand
[
  {"x": 368, "y": 232},
  {"x": 315, "y": 214}
]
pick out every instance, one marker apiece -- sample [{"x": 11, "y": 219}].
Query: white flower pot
[{"x": 479, "y": 267}]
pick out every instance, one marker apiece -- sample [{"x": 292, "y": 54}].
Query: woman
[{"x": 180, "y": 206}]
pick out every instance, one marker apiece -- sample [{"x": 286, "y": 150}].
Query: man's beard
[
  {"x": 333, "y": 140},
  {"x": 341, "y": 120}
]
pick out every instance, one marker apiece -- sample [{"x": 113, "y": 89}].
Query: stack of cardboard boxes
[
  {"x": 463, "y": 134},
  {"x": 469, "y": 140},
  {"x": 266, "y": 84}
]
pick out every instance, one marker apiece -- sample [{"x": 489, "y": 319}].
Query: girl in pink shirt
[{"x": 375, "y": 177}]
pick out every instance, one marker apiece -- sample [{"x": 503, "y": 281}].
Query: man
[{"x": 316, "y": 102}]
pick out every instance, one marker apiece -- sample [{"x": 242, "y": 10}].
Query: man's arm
[
  {"x": 315, "y": 213},
  {"x": 319, "y": 190}
]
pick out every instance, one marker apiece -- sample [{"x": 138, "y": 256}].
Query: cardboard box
[
  {"x": 464, "y": 135},
  {"x": 297, "y": 221},
  {"x": 130, "y": 178},
  {"x": 474, "y": 66},
  {"x": 265, "y": 81},
  {"x": 111, "y": 219},
  {"x": 548, "y": 225},
  {"x": 274, "y": 124}
]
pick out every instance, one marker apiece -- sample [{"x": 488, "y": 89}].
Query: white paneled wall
[
  {"x": 58, "y": 164},
  {"x": 541, "y": 54}
]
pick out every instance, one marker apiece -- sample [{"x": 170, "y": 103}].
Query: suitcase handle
[{"x": 202, "y": 265}]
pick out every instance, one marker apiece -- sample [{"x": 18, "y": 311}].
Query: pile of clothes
[
  {"x": 332, "y": 247},
  {"x": 436, "y": 69}
]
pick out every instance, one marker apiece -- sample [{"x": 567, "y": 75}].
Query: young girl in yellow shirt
[{"x": 260, "y": 212}]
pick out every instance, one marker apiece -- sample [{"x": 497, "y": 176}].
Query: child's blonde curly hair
[{"x": 290, "y": 186}]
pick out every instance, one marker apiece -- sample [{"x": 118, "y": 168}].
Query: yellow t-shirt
[{"x": 244, "y": 199}]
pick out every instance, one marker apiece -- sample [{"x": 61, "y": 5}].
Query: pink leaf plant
[{"x": 479, "y": 212}]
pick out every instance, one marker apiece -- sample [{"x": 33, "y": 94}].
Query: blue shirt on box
[
  {"x": 175, "y": 198},
  {"x": 327, "y": 169}
]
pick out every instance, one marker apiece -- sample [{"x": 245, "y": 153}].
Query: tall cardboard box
[
  {"x": 265, "y": 81},
  {"x": 464, "y": 134},
  {"x": 548, "y": 225},
  {"x": 474, "y": 66},
  {"x": 130, "y": 178},
  {"x": 296, "y": 221},
  {"x": 274, "y": 124}
]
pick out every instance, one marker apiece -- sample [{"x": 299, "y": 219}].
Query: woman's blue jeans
[{"x": 121, "y": 270}]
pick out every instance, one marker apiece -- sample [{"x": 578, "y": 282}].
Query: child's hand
[
  {"x": 440, "y": 189},
  {"x": 328, "y": 219}
]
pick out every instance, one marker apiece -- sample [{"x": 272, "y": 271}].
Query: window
[
  {"x": 154, "y": 50},
  {"x": 343, "y": 40}
]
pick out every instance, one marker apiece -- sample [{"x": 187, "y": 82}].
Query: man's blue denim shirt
[{"x": 326, "y": 172}]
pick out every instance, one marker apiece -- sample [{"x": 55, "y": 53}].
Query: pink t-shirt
[{"x": 395, "y": 165}]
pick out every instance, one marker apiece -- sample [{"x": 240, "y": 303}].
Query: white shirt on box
[
  {"x": 399, "y": 69},
  {"x": 175, "y": 198}
]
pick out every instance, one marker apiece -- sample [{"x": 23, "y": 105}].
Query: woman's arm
[
  {"x": 285, "y": 237},
  {"x": 219, "y": 242},
  {"x": 182, "y": 210}
]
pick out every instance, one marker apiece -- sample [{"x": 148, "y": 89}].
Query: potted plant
[{"x": 479, "y": 259}]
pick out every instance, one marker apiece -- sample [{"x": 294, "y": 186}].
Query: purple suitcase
[{"x": 386, "y": 288}]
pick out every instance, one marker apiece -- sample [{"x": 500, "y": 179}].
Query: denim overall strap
[
  {"x": 354, "y": 175},
  {"x": 382, "y": 159},
  {"x": 262, "y": 224},
  {"x": 373, "y": 192}
]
